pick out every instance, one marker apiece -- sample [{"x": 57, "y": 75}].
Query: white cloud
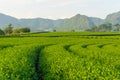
[{"x": 15, "y": 2}]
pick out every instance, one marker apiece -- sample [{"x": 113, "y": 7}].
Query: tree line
[
  {"x": 10, "y": 30},
  {"x": 107, "y": 27}
]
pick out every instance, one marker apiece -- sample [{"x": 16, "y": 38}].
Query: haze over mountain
[
  {"x": 113, "y": 18},
  {"x": 77, "y": 22}
]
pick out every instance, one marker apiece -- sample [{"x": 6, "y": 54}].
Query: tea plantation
[{"x": 60, "y": 56}]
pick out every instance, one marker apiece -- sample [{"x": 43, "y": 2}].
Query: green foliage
[
  {"x": 117, "y": 27},
  {"x": 17, "y": 63},
  {"x": 101, "y": 28},
  {"x": 8, "y": 29},
  {"x": 60, "y": 56},
  {"x": 105, "y": 27},
  {"x": 21, "y": 30},
  {"x": 1, "y": 32}
]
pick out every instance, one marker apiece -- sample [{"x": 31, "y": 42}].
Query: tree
[
  {"x": 8, "y": 29},
  {"x": 94, "y": 29},
  {"x": 24, "y": 29},
  {"x": 108, "y": 27},
  {"x": 117, "y": 27},
  {"x": 105, "y": 27},
  {"x": 54, "y": 30},
  {"x": 72, "y": 30},
  {"x": 21, "y": 30},
  {"x": 88, "y": 30},
  {"x": 101, "y": 28},
  {"x": 16, "y": 30},
  {"x": 1, "y": 32}
]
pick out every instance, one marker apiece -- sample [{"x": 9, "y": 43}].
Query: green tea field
[{"x": 60, "y": 56}]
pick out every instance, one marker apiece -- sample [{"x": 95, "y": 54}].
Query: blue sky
[{"x": 55, "y": 9}]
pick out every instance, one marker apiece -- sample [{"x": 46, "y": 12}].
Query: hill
[
  {"x": 78, "y": 22},
  {"x": 113, "y": 18}
]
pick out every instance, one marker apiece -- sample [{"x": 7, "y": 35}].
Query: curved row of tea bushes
[
  {"x": 57, "y": 64},
  {"x": 97, "y": 62},
  {"x": 18, "y": 63}
]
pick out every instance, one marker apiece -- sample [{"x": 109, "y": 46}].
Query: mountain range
[{"x": 77, "y": 22}]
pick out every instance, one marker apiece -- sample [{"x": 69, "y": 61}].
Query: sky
[{"x": 58, "y": 9}]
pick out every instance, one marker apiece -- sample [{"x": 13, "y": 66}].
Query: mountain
[
  {"x": 37, "y": 23},
  {"x": 78, "y": 22},
  {"x": 34, "y": 24},
  {"x": 96, "y": 21},
  {"x": 113, "y": 18},
  {"x": 5, "y": 20}
]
